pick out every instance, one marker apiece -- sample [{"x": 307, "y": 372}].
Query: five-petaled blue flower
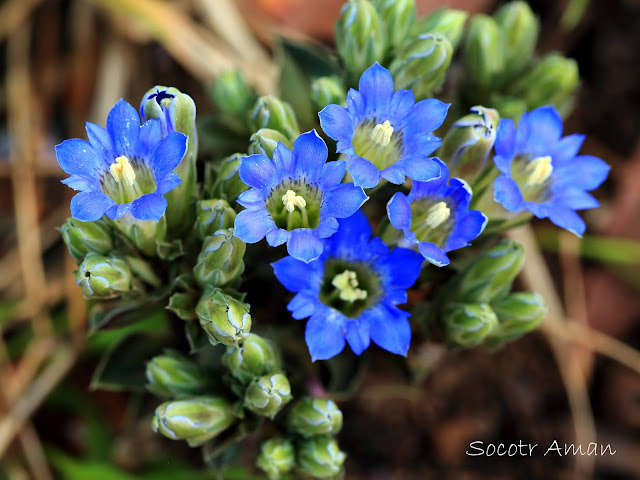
[
  {"x": 436, "y": 216},
  {"x": 351, "y": 292},
  {"x": 385, "y": 133},
  {"x": 125, "y": 168},
  {"x": 296, "y": 198},
  {"x": 542, "y": 172}
]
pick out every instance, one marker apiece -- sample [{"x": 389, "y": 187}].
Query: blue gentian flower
[
  {"x": 125, "y": 168},
  {"x": 351, "y": 292},
  {"x": 385, "y": 133},
  {"x": 436, "y": 216},
  {"x": 296, "y": 198},
  {"x": 542, "y": 172}
]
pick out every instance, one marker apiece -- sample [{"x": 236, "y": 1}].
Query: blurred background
[{"x": 66, "y": 61}]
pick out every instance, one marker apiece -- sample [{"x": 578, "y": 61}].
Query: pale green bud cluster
[
  {"x": 213, "y": 215},
  {"x": 103, "y": 277},
  {"x": 320, "y": 457},
  {"x": 310, "y": 417},
  {"x": 398, "y": 17},
  {"x": 220, "y": 260},
  {"x": 469, "y": 324},
  {"x": 518, "y": 314},
  {"x": 224, "y": 319},
  {"x": 82, "y": 238},
  {"x": 268, "y": 394},
  {"x": 254, "y": 357},
  {"x": 195, "y": 420},
  {"x": 327, "y": 90},
  {"x": 173, "y": 375},
  {"x": 275, "y": 114},
  {"x": 277, "y": 458},
  {"x": 483, "y": 53}
]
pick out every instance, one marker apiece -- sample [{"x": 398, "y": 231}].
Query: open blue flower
[
  {"x": 385, "y": 133},
  {"x": 436, "y": 217},
  {"x": 125, "y": 168},
  {"x": 296, "y": 198},
  {"x": 542, "y": 172},
  {"x": 351, "y": 292}
]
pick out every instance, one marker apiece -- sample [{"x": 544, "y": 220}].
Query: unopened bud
[
  {"x": 265, "y": 141},
  {"x": 520, "y": 32},
  {"x": 103, "y": 277},
  {"x": 398, "y": 17},
  {"x": 84, "y": 237},
  {"x": 518, "y": 314},
  {"x": 196, "y": 420},
  {"x": 271, "y": 112},
  {"x": 445, "y": 21},
  {"x": 327, "y": 90},
  {"x": 232, "y": 95},
  {"x": 224, "y": 319},
  {"x": 213, "y": 215},
  {"x": 220, "y": 260},
  {"x": 315, "y": 416},
  {"x": 226, "y": 182},
  {"x": 468, "y": 324},
  {"x": 276, "y": 458},
  {"x": 483, "y": 53},
  {"x": 173, "y": 375},
  {"x": 254, "y": 357},
  {"x": 320, "y": 457},
  {"x": 267, "y": 395}
]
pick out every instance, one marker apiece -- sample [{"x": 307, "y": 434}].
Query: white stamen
[
  {"x": 437, "y": 214},
  {"x": 382, "y": 133},
  {"x": 291, "y": 200},
  {"x": 122, "y": 169},
  {"x": 346, "y": 283},
  {"x": 540, "y": 170}
]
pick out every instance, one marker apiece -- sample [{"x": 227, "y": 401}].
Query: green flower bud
[
  {"x": 231, "y": 93},
  {"x": 271, "y": 112},
  {"x": 213, "y": 215},
  {"x": 422, "y": 64},
  {"x": 327, "y": 90},
  {"x": 518, "y": 314},
  {"x": 224, "y": 319},
  {"x": 469, "y": 324},
  {"x": 173, "y": 375},
  {"x": 320, "y": 457},
  {"x": 220, "y": 260},
  {"x": 483, "y": 53},
  {"x": 398, "y": 16},
  {"x": 315, "y": 416},
  {"x": 360, "y": 37},
  {"x": 520, "y": 32},
  {"x": 103, "y": 277},
  {"x": 445, "y": 21},
  {"x": 508, "y": 106},
  {"x": 266, "y": 140},
  {"x": 196, "y": 420},
  {"x": 490, "y": 276},
  {"x": 267, "y": 395},
  {"x": 552, "y": 81},
  {"x": 466, "y": 146},
  {"x": 254, "y": 357},
  {"x": 228, "y": 184},
  {"x": 145, "y": 235},
  {"x": 84, "y": 237},
  {"x": 276, "y": 458},
  {"x": 177, "y": 112}
]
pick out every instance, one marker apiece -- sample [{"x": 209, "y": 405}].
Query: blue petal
[
  {"x": 364, "y": 173},
  {"x": 283, "y": 158},
  {"x": 78, "y": 157},
  {"x": 567, "y": 219},
  {"x": 100, "y": 140},
  {"x": 584, "y": 171},
  {"x": 353, "y": 232},
  {"x": 401, "y": 104},
  {"x": 168, "y": 154},
  {"x": 433, "y": 253},
  {"x": 507, "y": 193},
  {"x": 540, "y": 210},
  {"x": 336, "y": 122},
  {"x": 505, "y": 144},
  {"x": 358, "y": 335},
  {"x": 258, "y": 171},
  {"x": 394, "y": 174},
  {"x": 304, "y": 245},
  {"x": 90, "y": 206},
  {"x": 149, "y": 207},
  {"x": 123, "y": 124},
  {"x": 343, "y": 201},
  {"x": 150, "y": 136},
  {"x": 324, "y": 334},
  {"x": 251, "y": 198},
  {"x": 471, "y": 225},
  {"x": 355, "y": 103},
  {"x": 421, "y": 169},
  {"x": 389, "y": 327},
  {"x": 426, "y": 115},
  {"x": 302, "y": 305},
  {"x": 294, "y": 274},
  {"x": 376, "y": 87},
  {"x": 575, "y": 199},
  {"x": 327, "y": 227},
  {"x": 277, "y": 237},
  {"x": 252, "y": 225},
  {"x": 503, "y": 164},
  {"x": 309, "y": 155},
  {"x": 333, "y": 173},
  {"x": 403, "y": 267},
  {"x": 435, "y": 186},
  {"x": 169, "y": 182},
  {"x": 399, "y": 211},
  {"x": 79, "y": 182},
  {"x": 567, "y": 148},
  {"x": 538, "y": 130}
]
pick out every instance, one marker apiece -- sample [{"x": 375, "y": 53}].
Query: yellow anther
[
  {"x": 346, "y": 283},
  {"x": 437, "y": 214},
  {"x": 291, "y": 200},
  {"x": 382, "y": 133},
  {"x": 165, "y": 102},
  {"x": 122, "y": 169},
  {"x": 540, "y": 169}
]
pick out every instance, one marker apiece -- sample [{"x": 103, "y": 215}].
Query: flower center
[
  {"x": 431, "y": 220},
  {"x": 437, "y": 214},
  {"x": 291, "y": 200},
  {"x": 539, "y": 170},
  {"x": 346, "y": 284},
  {"x": 122, "y": 170},
  {"x": 294, "y": 204},
  {"x": 381, "y": 133}
]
